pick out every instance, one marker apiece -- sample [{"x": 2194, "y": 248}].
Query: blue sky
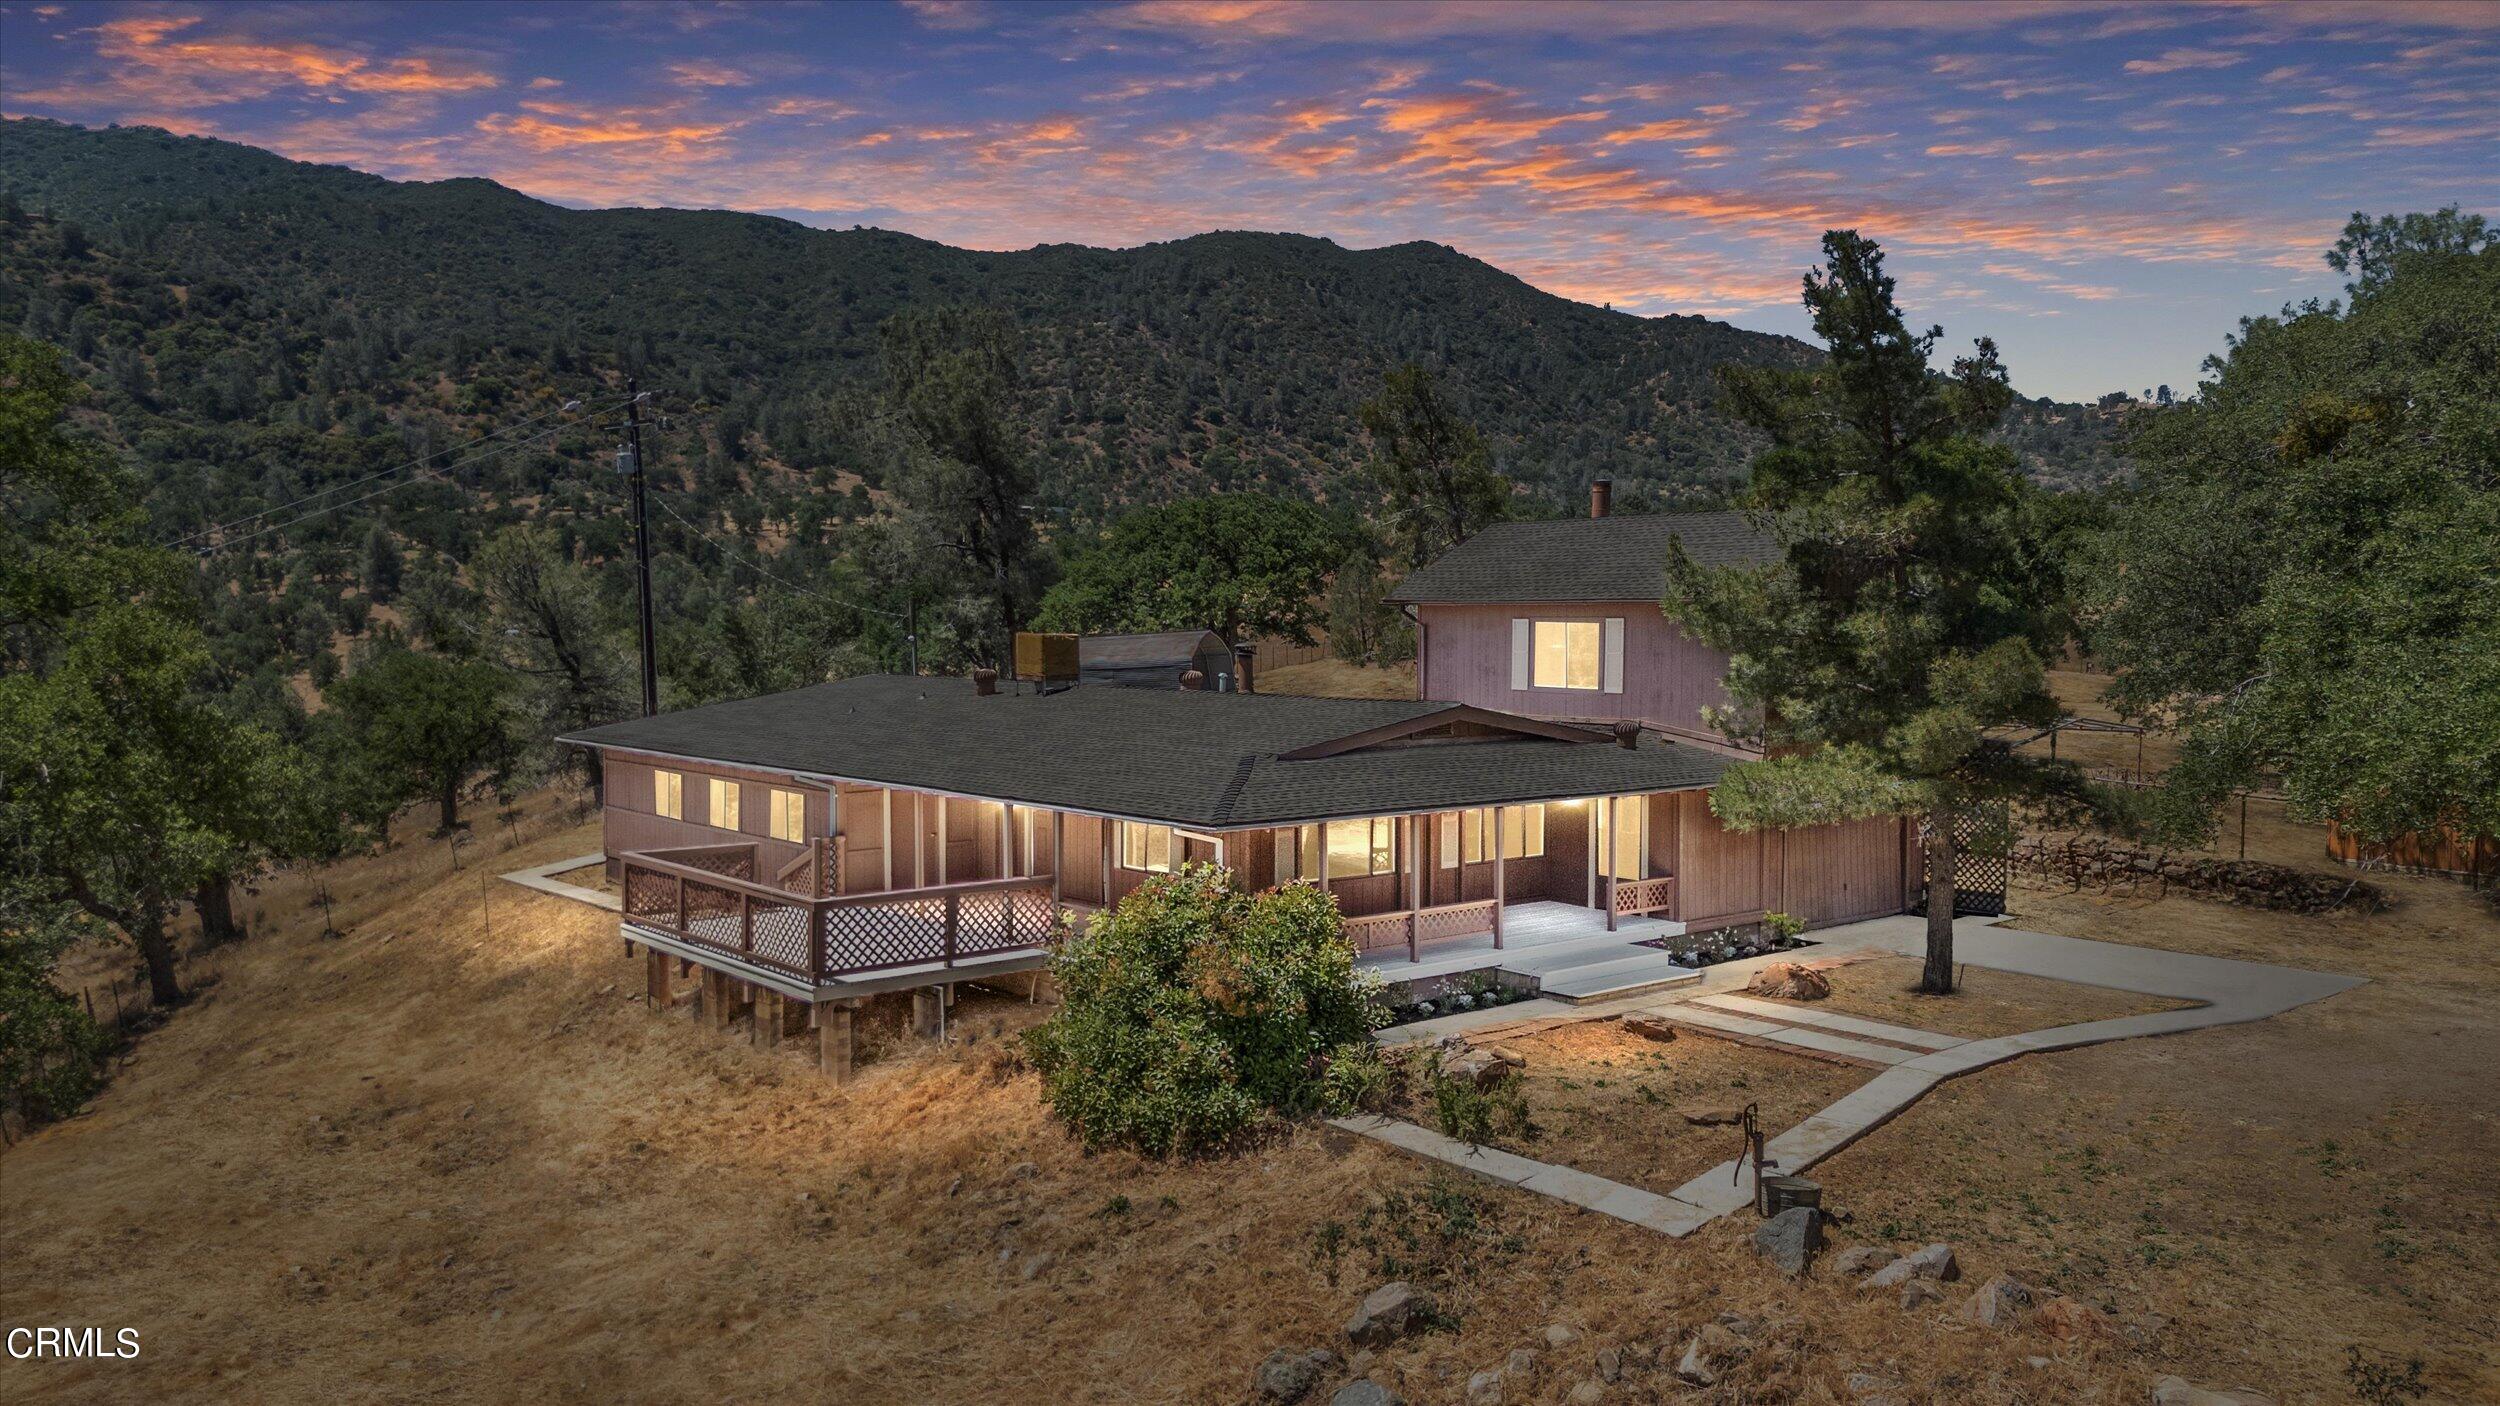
[{"x": 2104, "y": 189}]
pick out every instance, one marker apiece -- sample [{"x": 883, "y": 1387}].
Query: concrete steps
[{"x": 1608, "y": 979}]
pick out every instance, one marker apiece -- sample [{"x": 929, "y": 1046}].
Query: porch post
[
  {"x": 1058, "y": 835},
  {"x": 1323, "y": 855},
  {"x": 885, "y": 804},
  {"x": 1499, "y": 897},
  {"x": 1614, "y": 843},
  {"x": 1006, "y": 840},
  {"x": 1414, "y": 887},
  {"x": 941, "y": 841}
]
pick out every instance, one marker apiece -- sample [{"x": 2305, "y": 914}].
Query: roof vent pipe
[
  {"x": 1192, "y": 680},
  {"x": 1601, "y": 497},
  {"x": 1628, "y": 734},
  {"x": 985, "y": 682}
]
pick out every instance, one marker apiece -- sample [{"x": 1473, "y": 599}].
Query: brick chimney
[
  {"x": 1245, "y": 656},
  {"x": 1601, "y": 497}
]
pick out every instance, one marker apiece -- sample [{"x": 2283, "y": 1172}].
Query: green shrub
[
  {"x": 51, "y": 1051},
  {"x": 1192, "y": 1010},
  {"x": 1783, "y": 926}
]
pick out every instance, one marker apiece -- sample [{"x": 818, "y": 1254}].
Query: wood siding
[
  {"x": 1465, "y": 657},
  {"x": 1841, "y": 873}
]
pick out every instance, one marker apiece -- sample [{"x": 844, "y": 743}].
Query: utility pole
[{"x": 642, "y": 543}]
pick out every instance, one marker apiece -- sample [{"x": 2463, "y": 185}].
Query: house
[
  {"x": 1157, "y": 660},
  {"x": 894, "y": 832},
  {"x": 1560, "y": 619}
]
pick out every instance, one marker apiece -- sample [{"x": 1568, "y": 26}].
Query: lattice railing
[
  {"x": 1654, "y": 895},
  {"x": 1454, "y": 920},
  {"x": 1375, "y": 932},
  {"x": 815, "y": 938}
]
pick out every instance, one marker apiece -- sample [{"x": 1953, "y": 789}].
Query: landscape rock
[
  {"x": 1610, "y": 1364},
  {"x": 1998, "y": 1303},
  {"x": 1789, "y": 1239},
  {"x": 1482, "y": 1068},
  {"x": 1919, "y": 1293},
  {"x": 1790, "y": 981},
  {"x": 1365, "y": 1394},
  {"x": 1560, "y": 1335},
  {"x": 1521, "y": 1364},
  {"x": 1287, "y": 1375},
  {"x": 1868, "y": 1389},
  {"x": 2087, "y": 860},
  {"x": 2179, "y": 1391},
  {"x": 1649, "y": 1027},
  {"x": 1715, "y": 1117},
  {"x": 1710, "y": 1350},
  {"x": 1485, "y": 1388},
  {"x": 1037, "y": 1265},
  {"x": 1933, "y": 1262},
  {"x": 2071, "y": 1320},
  {"x": 1389, "y": 1313},
  {"x": 1586, "y": 1393},
  {"x": 1862, "y": 1259}
]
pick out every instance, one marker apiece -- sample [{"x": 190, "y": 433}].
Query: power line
[
  {"x": 435, "y": 473},
  {"x": 760, "y": 569},
  {"x": 483, "y": 439}
]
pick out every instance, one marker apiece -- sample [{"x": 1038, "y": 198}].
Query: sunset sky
[{"x": 2105, "y": 190}]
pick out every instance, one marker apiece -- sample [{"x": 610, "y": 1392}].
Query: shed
[{"x": 1156, "y": 660}]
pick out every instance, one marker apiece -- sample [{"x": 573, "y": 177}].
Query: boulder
[
  {"x": 2179, "y": 1391},
  {"x": 1521, "y": 1364},
  {"x": 1560, "y": 1335},
  {"x": 1998, "y": 1303},
  {"x": 1790, "y": 981},
  {"x": 1365, "y": 1394},
  {"x": 1862, "y": 1259},
  {"x": 1485, "y": 1388},
  {"x": 1287, "y": 1375},
  {"x": 1585, "y": 1393},
  {"x": 1919, "y": 1293},
  {"x": 1789, "y": 1239},
  {"x": 1933, "y": 1262},
  {"x": 1710, "y": 1350},
  {"x": 2072, "y": 1320},
  {"x": 1482, "y": 1068},
  {"x": 1389, "y": 1313},
  {"x": 1649, "y": 1027}
]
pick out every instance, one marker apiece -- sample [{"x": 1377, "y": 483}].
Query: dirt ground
[
  {"x": 449, "y": 1157},
  {"x": 1611, "y": 1103},
  {"x": 1984, "y": 1003},
  {"x": 1334, "y": 678}
]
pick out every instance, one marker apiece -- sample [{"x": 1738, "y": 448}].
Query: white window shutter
[
  {"x": 1613, "y": 672},
  {"x": 1522, "y": 639}
]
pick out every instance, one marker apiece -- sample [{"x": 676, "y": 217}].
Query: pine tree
[{"x": 1904, "y": 627}]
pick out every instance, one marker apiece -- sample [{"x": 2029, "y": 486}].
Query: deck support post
[
  {"x": 928, "y": 1011},
  {"x": 657, "y": 990},
  {"x": 766, "y": 1030},
  {"x": 834, "y": 1047},
  {"x": 1499, "y": 898},
  {"x": 1058, "y": 884}
]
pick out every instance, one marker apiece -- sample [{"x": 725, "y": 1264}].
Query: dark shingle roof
[
  {"x": 1582, "y": 559},
  {"x": 1211, "y": 760}
]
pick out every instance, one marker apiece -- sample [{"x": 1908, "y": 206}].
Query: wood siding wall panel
[
  {"x": 1718, "y": 871},
  {"x": 1841, "y": 873},
  {"x": 1668, "y": 678}
]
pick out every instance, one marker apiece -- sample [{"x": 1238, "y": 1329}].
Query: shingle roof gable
[{"x": 1582, "y": 559}]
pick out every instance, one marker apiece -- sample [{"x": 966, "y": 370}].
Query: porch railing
[
  {"x": 1412, "y": 928},
  {"x": 1631, "y": 898},
  {"x": 707, "y": 897}
]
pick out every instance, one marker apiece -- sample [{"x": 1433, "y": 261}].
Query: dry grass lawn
[
  {"x": 449, "y": 1157},
  {"x": 1334, "y": 678},
  {"x": 1984, "y": 1003},
  {"x": 1612, "y": 1103}
]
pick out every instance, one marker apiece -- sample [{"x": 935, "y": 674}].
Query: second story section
[{"x": 1560, "y": 619}]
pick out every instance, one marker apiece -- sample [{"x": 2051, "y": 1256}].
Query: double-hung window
[
  {"x": 668, "y": 794},
  {"x": 1463, "y": 834},
  {"x": 724, "y": 811},
  {"x": 1362, "y": 846},
  {"x": 1584, "y": 656}
]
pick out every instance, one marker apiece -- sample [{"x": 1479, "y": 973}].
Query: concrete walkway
[
  {"x": 540, "y": 879},
  {"x": 2232, "y": 992}
]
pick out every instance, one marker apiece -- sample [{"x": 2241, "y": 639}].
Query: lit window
[
  {"x": 1523, "y": 833},
  {"x": 1146, "y": 847},
  {"x": 724, "y": 810},
  {"x": 1445, "y": 829},
  {"x": 1362, "y": 847},
  {"x": 668, "y": 794},
  {"x": 1568, "y": 654},
  {"x": 1622, "y": 849},
  {"x": 789, "y": 815}
]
